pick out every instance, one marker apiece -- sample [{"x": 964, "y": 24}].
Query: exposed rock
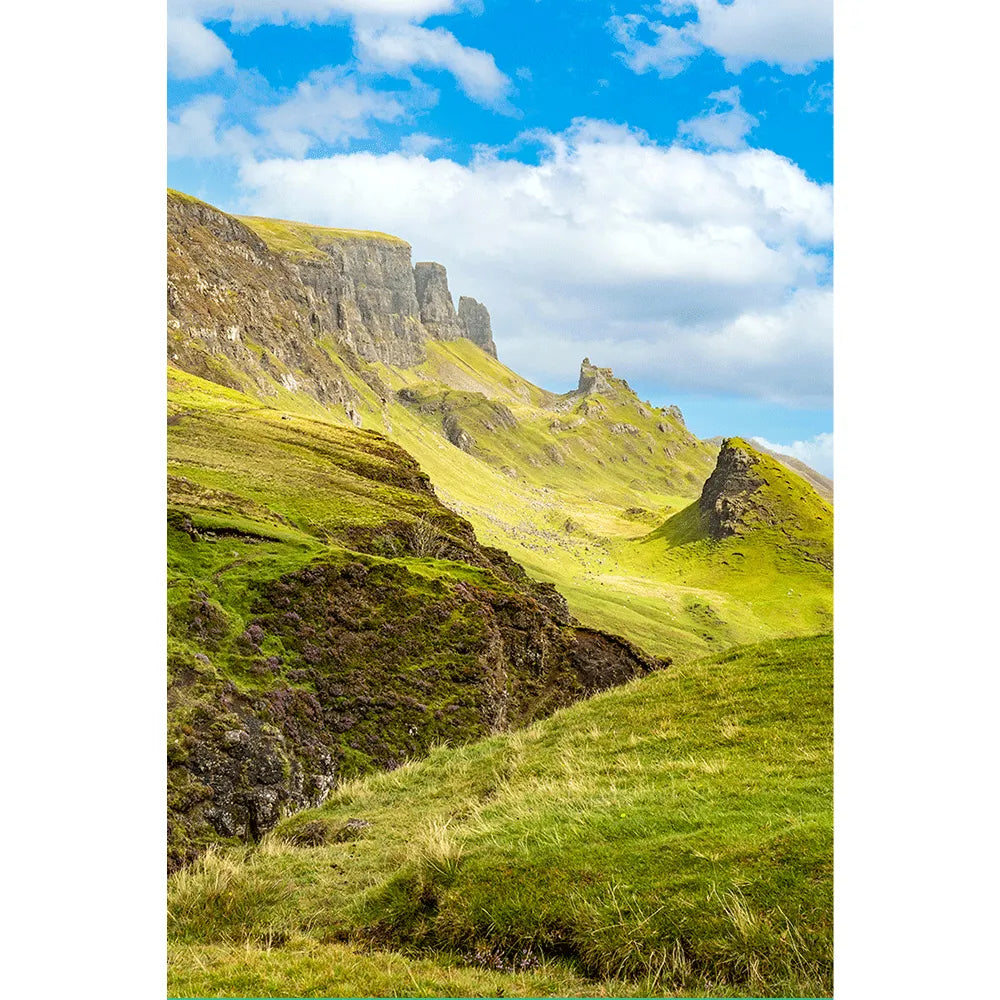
[
  {"x": 238, "y": 309},
  {"x": 500, "y": 417},
  {"x": 225, "y": 289},
  {"x": 728, "y": 493},
  {"x": 624, "y": 429},
  {"x": 437, "y": 310},
  {"x": 456, "y": 433},
  {"x": 363, "y": 292},
  {"x": 593, "y": 379},
  {"x": 474, "y": 318},
  {"x": 675, "y": 412},
  {"x": 378, "y": 667}
]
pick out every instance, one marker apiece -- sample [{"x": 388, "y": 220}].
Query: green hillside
[
  {"x": 328, "y": 616},
  {"x": 589, "y": 490},
  {"x": 670, "y": 837}
]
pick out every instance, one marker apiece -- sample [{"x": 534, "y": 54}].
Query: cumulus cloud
[
  {"x": 791, "y": 34},
  {"x": 328, "y": 108},
  {"x": 193, "y": 50},
  {"x": 419, "y": 144},
  {"x": 817, "y": 452},
  {"x": 699, "y": 269},
  {"x": 724, "y": 126},
  {"x": 397, "y": 48},
  {"x": 388, "y": 39}
]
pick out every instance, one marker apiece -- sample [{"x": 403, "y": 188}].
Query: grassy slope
[
  {"x": 586, "y": 527},
  {"x": 565, "y": 505},
  {"x": 299, "y": 240},
  {"x": 673, "y": 835}
]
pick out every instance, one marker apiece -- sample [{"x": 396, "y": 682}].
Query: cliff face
[
  {"x": 364, "y": 294},
  {"x": 238, "y": 313},
  {"x": 260, "y": 301},
  {"x": 475, "y": 320},
  {"x": 437, "y": 311}
]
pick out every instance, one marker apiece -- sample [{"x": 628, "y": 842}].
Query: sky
[{"x": 648, "y": 185}]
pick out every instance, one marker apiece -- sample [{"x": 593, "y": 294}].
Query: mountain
[
  {"x": 341, "y": 326},
  {"x": 441, "y": 719}
]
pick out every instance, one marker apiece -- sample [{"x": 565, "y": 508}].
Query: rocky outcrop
[
  {"x": 437, "y": 310},
  {"x": 728, "y": 494},
  {"x": 594, "y": 379},
  {"x": 474, "y": 318},
  {"x": 364, "y": 291},
  {"x": 358, "y": 663},
  {"x": 238, "y": 314},
  {"x": 247, "y": 314}
]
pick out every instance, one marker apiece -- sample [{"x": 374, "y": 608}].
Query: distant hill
[{"x": 823, "y": 485}]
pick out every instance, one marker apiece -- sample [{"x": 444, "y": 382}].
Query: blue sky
[{"x": 646, "y": 184}]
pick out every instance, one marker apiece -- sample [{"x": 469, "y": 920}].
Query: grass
[
  {"x": 298, "y": 240},
  {"x": 671, "y": 837},
  {"x": 328, "y": 616}
]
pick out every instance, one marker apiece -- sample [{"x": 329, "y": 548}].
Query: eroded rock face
[
  {"x": 728, "y": 494},
  {"x": 236, "y": 308},
  {"x": 366, "y": 294},
  {"x": 376, "y": 666},
  {"x": 437, "y": 310},
  {"x": 594, "y": 379},
  {"x": 227, "y": 291},
  {"x": 475, "y": 320}
]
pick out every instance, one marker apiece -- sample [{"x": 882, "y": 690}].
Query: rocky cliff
[
  {"x": 475, "y": 320},
  {"x": 269, "y": 304},
  {"x": 728, "y": 494}
]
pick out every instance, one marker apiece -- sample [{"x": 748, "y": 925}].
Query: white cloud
[
  {"x": 329, "y": 107},
  {"x": 669, "y": 53},
  {"x": 397, "y": 48},
  {"x": 792, "y": 34},
  {"x": 820, "y": 98},
  {"x": 419, "y": 144},
  {"x": 193, "y": 50},
  {"x": 817, "y": 452},
  {"x": 701, "y": 270},
  {"x": 724, "y": 126},
  {"x": 387, "y": 35},
  {"x": 195, "y": 131}
]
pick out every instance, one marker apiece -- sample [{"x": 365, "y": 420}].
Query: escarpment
[{"x": 276, "y": 305}]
